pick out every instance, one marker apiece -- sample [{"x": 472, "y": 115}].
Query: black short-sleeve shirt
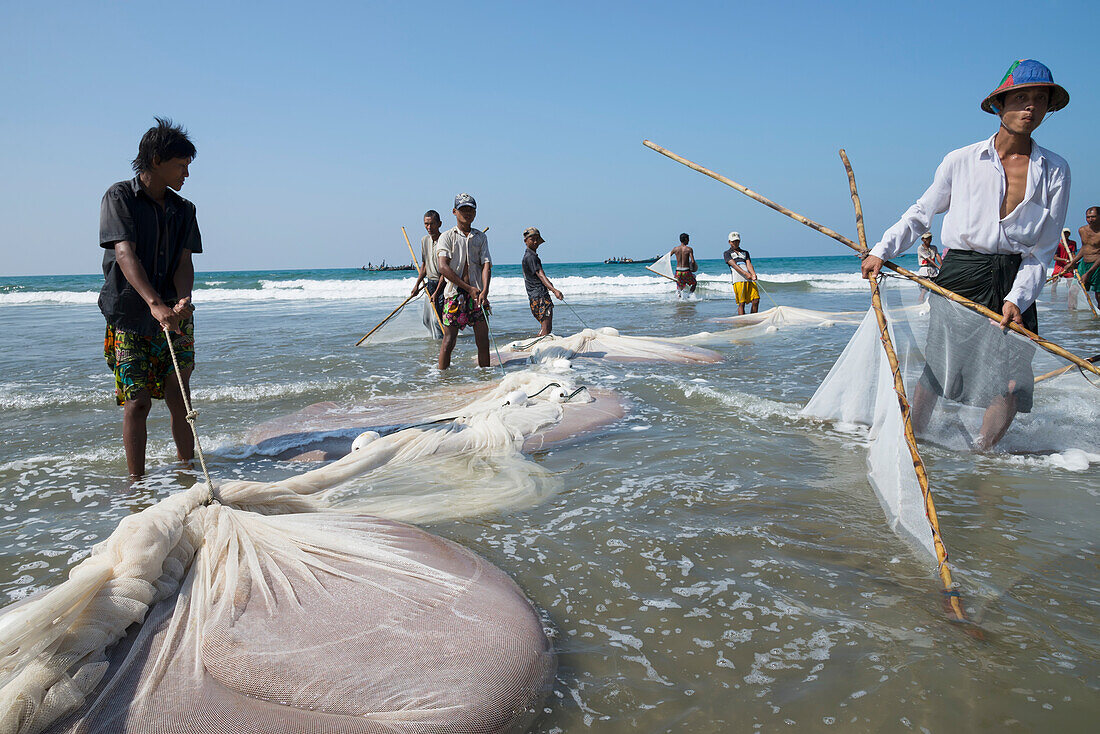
[
  {"x": 159, "y": 235},
  {"x": 531, "y": 265}
]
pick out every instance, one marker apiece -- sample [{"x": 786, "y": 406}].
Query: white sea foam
[{"x": 389, "y": 289}]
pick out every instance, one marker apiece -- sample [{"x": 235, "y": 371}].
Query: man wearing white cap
[{"x": 743, "y": 274}]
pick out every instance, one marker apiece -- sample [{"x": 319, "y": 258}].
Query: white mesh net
[
  {"x": 663, "y": 266},
  {"x": 283, "y": 608},
  {"x": 770, "y": 321},
  {"x": 971, "y": 387},
  {"x": 605, "y": 343}
]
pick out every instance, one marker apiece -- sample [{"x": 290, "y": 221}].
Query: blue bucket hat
[{"x": 1028, "y": 73}]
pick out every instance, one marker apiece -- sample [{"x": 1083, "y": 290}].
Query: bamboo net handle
[
  {"x": 950, "y": 295},
  {"x": 903, "y": 403},
  {"x": 380, "y": 323},
  {"x": 431, "y": 298}
]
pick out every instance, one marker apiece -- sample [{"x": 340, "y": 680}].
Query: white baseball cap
[{"x": 735, "y": 237}]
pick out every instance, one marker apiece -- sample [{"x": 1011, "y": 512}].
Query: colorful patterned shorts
[
  {"x": 685, "y": 279},
  {"x": 144, "y": 362},
  {"x": 542, "y": 308},
  {"x": 461, "y": 311}
]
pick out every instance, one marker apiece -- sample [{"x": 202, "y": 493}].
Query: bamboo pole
[
  {"x": 431, "y": 296},
  {"x": 1063, "y": 370},
  {"x": 392, "y": 314},
  {"x": 903, "y": 404},
  {"x": 930, "y": 285}
]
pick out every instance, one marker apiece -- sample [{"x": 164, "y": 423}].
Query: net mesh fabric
[
  {"x": 606, "y": 343},
  {"x": 963, "y": 376},
  {"x": 754, "y": 325},
  {"x": 282, "y": 608}
]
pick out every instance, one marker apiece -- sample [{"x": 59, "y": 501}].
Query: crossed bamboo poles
[{"x": 899, "y": 387}]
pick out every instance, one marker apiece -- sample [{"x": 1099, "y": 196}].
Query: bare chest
[
  {"x": 1090, "y": 244},
  {"x": 1015, "y": 168}
]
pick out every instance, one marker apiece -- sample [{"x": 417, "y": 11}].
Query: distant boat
[
  {"x": 629, "y": 261},
  {"x": 384, "y": 268}
]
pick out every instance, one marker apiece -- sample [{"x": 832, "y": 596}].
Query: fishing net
[
  {"x": 663, "y": 266},
  {"x": 409, "y": 322},
  {"x": 777, "y": 318},
  {"x": 605, "y": 343},
  {"x": 972, "y": 388},
  {"x": 292, "y": 606}
]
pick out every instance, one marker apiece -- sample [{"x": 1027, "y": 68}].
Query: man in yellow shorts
[{"x": 743, "y": 274}]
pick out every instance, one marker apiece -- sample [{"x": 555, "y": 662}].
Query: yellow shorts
[{"x": 746, "y": 292}]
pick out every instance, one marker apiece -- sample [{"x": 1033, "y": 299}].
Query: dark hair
[
  {"x": 434, "y": 215},
  {"x": 1092, "y": 209},
  {"x": 683, "y": 238},
  {"x": 162, "y": 143}
]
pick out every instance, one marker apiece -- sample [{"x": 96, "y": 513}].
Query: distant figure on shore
[
  {"x": 685, "y": 266},
  {"x": 743, "y": 275},
  {"x": 928, "y": 257},
  {"x": 1067, "y": 248},
  {"x": 1006, "y": 200},
  {"x": 1088, "y": 259},
  {"x": 463, "y": 256},
  {"x": 148, "y": 233},
  {"x": 538, "y": 285},
  {"x": 429, "y": 274}
]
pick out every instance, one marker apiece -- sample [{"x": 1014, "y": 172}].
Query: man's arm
[
  {"x": 752, "y": 270},
  {"x": 741, "y": 271},
  {"x": 482, "y": 297},
  {"x": 546, "y": 282},
  {"x": 448, "y": 273},
  {"x": 691, "y": 260},
  {"x": 915, "y": 222},
  {"x": 184, "y": 282},
  {"x": 130, "y": 265},
  {"x": 1031, "y": 274}
]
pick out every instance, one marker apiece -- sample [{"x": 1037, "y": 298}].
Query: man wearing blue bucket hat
[{"x": 1005, "y": 200}]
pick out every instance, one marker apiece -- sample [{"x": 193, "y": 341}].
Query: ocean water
[{"x": 713, "y": 561}]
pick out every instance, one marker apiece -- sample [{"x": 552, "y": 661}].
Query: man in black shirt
[
  {"x": 148, "y": 233},
  {"x": 538, "y": 285}
]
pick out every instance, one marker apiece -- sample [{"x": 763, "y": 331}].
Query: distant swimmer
[
  {"x": 743, "y": 274},
  {"x": 463, "y": 256},
  {"x": 928, "y": 257},
  {"x": 1006, "y": 200},
  {"x": 1088, "y": 259},
  {"x": 148, "y": 233},
  {"x": 429, "y": 272},
  {"x": 685, "y": 266},
  {"x": 538, "y": 285}
]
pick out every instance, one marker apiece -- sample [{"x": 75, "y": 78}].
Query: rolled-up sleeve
[
  {"x": 1032, "y": 273},
  {"x": 116, "y": 221},
  {"x": 918, "y": 218}
]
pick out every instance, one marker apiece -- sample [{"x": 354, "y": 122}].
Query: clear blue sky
[{"x": 323, "y": 128}]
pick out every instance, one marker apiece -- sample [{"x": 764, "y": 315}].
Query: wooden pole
[
  {"x": 431, "y": 296},
  {"x": 903, "y": 404},
  {"x": 1063, "y": 370},
  {"x": 950, "y": 295},
  {"x": 392, "y": 313}
]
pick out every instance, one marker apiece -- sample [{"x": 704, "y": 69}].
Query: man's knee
[{"x": 139, "y": 405}]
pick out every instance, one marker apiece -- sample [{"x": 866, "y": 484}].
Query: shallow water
[{"x": 712, "y": 562}]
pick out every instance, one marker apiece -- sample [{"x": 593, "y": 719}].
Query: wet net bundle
[
  {"x": 971, "y": 386},
  {"x": 293, "y": 606},
  {"x": 769, "y": 321},
  {"x": 605, "y": 343}
]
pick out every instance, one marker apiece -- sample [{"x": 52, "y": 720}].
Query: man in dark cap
[
  {"x": 1005, "y": 200},
  {"x": 464, "y": 261},
  {"x": 148, "y": 233},
  {"x": 537, "y": 284}
]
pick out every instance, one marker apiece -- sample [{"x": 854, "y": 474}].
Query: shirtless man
[
  {"x": 1006, "y": 200},
  {"x": 685, "y": 266},
  {"x": 1087, "y": 259}
]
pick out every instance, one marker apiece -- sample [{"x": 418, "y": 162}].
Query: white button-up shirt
[
  {"x": 970, "y": 186},
  {"x": 463, "y": 251}
]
